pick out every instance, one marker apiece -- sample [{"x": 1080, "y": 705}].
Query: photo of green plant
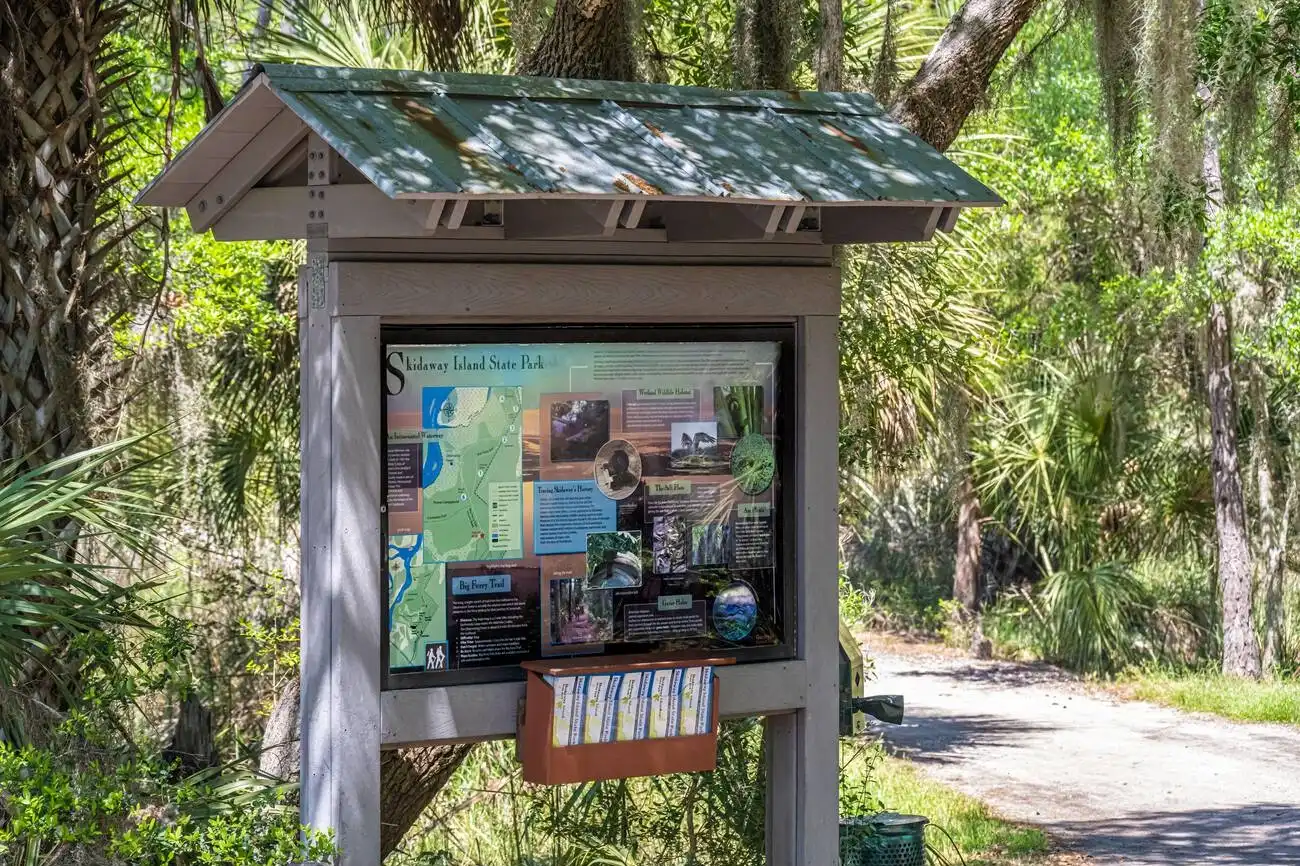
[
  {"x": 753, "y": 464},
  {"x": 738, "y": 410}
]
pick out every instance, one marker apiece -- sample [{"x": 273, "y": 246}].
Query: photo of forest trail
[{"x": 1068, "y": 445}]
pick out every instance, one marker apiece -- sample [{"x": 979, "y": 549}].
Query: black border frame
[{"x": 787, "y": 432}]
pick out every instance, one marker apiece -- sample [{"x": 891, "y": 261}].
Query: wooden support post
[
  {"x": 341, "y": 593},
  {"x": 795, "y": 217},
  {"x": 803, "y": 748},
  {"x": 632, "y": 217},
  {"x": 357, "y": 605}
]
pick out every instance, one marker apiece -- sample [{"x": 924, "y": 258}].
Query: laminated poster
[{"x": 647, "y": 473}]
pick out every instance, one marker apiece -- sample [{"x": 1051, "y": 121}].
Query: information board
[{"x": 577, "y": 491}]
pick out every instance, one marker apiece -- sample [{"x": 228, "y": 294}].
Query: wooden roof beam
[
  {"x": 707, "y": 221},
  {"x": 262, "y": 154},
  {"x": 868, "y": 225}
]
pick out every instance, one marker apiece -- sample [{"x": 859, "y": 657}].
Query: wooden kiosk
[{"x": 670, "y": 250}]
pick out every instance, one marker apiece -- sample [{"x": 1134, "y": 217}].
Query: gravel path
[{"x": 1124, "y": 782}]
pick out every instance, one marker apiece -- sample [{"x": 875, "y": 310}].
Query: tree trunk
[
  {"x": 1273, "y": 529},
  {"x": 966, "y": 574},
  {"x": 952, "y": 81},
  {"x": 1236, "y": 574},
  {"x": 51, "y": 175},
  {"x": 1240, "y": 648},
  {"x": 586, "y": 39},
  {"x": 438, "y": 24},
  {"x": 765, "y": 34},
  {"x": 830, "y": 45},
  {"x": 192, "y": 742},
  {"x": 409, "y": 779}
]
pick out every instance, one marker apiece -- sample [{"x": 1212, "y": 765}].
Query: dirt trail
[{"x": 1124, "y": 782}]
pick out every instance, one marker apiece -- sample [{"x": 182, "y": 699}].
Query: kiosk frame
[{"x": 447, "y": 199}]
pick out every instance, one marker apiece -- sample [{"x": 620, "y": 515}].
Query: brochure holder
[{"x": 547, "y": 763}]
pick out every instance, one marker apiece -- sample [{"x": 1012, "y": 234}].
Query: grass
[
  {"x": 487, "y": 817},
  {"x": 871, "y": 777},
  {"x": 1232, "y": 698}
]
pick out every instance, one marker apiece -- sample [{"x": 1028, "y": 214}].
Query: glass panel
[{"x": 597, "y": 497}]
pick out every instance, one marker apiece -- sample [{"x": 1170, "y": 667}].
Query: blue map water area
[
  {"x": 405, "y": 554},
  {"x": 431, "y": 402},
  {"x": 432, "y": 463}
]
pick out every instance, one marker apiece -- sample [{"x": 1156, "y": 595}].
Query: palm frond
[{"x": 56, "y": 592}]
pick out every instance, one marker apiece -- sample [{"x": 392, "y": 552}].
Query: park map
[{"x": 471, "y": 478}]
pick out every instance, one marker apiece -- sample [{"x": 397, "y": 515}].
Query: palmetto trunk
[
  {"x": 52, "y": 96},
  {"x": 765, "y": 36},
  {"x": 830, "y": 45}
]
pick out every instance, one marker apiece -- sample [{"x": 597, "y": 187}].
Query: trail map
[
  {"x": 472, "y": 474},
  {"x": 417, "y": 596}
]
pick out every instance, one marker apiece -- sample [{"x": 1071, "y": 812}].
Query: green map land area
[
  {"x": 473, "y": 474},
  {"x": 417, "y": 599}
]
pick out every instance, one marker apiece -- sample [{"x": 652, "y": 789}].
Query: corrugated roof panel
[
  {"x": 444, "y": 134},
  {"x": 911, "y": 161},
  {"x": 738, "y": 157},
  {"x": 624, "y": 161},
  {"x": 306, "y": 79},
  {"x": 568, "y": 147},
  {"x": 402, "y": 144},
  {"x": 858, "y": 163}
]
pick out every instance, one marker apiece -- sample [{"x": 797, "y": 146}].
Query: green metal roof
[{"x": 419, "y": 135}]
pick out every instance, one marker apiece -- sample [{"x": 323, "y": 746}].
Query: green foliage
[
  {"x": 487, "y": 817},
  {"x": 1211, "y": 692},
  {"x": 855, "y": 605},
  {"x": 84, "y": 648},
  {"x": 1081, "y": 400},
  {"x": 60, "y": 611},
  {"x": 901, "y": 556},
  {"x": 1093, "y": 617},
  {"x": 135, "y": 812},
  {"x": 962, "y": 829}
]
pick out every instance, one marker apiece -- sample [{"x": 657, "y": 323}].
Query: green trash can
[{"x": 884, "y": 839}]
